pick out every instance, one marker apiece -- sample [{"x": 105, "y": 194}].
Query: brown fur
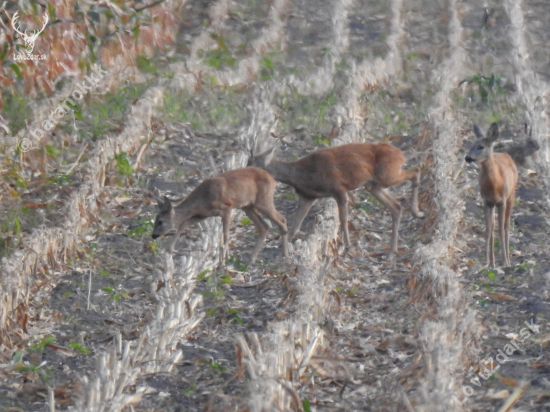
[
  {"x": 334, "y": 171},
  {"x": 249, "y": 189},
  {"x": 498, "y": 178}
]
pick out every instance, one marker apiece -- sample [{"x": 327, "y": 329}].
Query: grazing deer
[
  {"x": 498, "y": 178},
  {"x": 249, "y": 189},
  {"x": 335, "y": 171}
]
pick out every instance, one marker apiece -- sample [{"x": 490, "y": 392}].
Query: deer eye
[{"x": 480, "y": 148}]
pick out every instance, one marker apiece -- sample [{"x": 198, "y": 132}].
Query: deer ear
[
  {"x": 492, "y": 133},
  {"x": 268, "y": 155},
  {"x": 478, "y": 132},
  {"x": 263, "y": 159},
  {"x": 167, "y": 204},
  {"x": 160, "y": 203}
]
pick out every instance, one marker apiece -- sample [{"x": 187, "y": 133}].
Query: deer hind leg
[
  {"x": 395, "y": 209},
  {"x": 270, "y": 211},
  {"x": 262, "y": 227},
  {"x": 390, "y": 174},
  {"x": 415, "y": 185},
  {"x": 304, "y": 204},
  {"x": 507, "y": 215},
  {"x": 342, "y": 201},
  {"x": 489, "y": 236}
]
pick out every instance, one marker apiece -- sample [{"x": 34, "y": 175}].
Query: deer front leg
[
  {"x": 415, "y": 185},
  {"x": 489, "y": 235},
  {"x": 304, "y": 204},
  {"x": 226, "y": 223},
  {"x": 181, "y": 228}
]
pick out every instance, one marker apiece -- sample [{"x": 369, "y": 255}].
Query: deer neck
[
  {"x": 489, "y": 167},
  {"x": 283, "y": 172},
  {"x": 185, "y": 210}
]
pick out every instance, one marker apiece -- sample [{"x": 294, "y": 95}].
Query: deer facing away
[
  {"x": 249, "y": 189},
  {"x": 498, "y": 178},
  {"x": 334, "y": 171}
]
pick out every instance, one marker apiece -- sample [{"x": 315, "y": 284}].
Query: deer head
[{"x": 28, "y": 39}]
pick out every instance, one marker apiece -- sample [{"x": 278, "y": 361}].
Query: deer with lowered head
[
  {"x": 498, "y": 178},
  {"x": 334, "y": 171},
  {"x": 249, "y": 189}
]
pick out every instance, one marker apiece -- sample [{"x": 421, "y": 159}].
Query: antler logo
[{"x": 28, "y": 39}]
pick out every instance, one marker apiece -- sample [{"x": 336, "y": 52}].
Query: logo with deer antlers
[{"x": 28, "y": 39}]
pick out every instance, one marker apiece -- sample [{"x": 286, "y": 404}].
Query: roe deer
[
  {"x": 334, "y": 171},
  {"x": 498, "y": 178},
  {"x": 249, "y": 189},
  {"x": 521, "y": 152}
]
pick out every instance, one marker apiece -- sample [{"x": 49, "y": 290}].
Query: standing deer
[
  {"x": 498, "y": 178},
  {"x": 249, "y": 189},
  {"x": 335, "y": 171}
]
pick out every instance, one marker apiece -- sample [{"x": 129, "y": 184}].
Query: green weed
[
  {"x": 41, "y": 344},
  {"x": 236, "y": 263},
  {"x": 114, "y": 294},
  {"x": 216, "y": 366},
  {"x": 124, "y": 166},
  {"x": 27, "y": 367},
  {"x": 79, "y": 348},
  {"x": 486, "y": 85},
  {"x": 144, "y": 226},
  {"x": 219, "y": 57},
  {"x": 104, "y": 114}
]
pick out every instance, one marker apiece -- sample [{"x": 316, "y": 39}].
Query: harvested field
[{"x": 96, "y": 316}]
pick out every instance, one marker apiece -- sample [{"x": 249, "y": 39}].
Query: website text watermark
[
  {"x": 494, "y": 365},
  {"x": 56, "y": 115}
]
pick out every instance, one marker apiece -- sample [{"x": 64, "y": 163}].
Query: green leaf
[
  {"x": 203, "y": 274},
  {"x": 306, "y": 405},
  {"x": 267, "y": 63},
  {"x": 18, "y": 357},
  {"x": 17, "y": 226},
  {"x": 123, "y": 164},
  {"x": 16, "y": 70},
  {"x": 108, "y": 289},
  {"x": 245, "y": 221},
  {"x": 79, "y": 348},
  {"x": 52, "y": 151}
]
